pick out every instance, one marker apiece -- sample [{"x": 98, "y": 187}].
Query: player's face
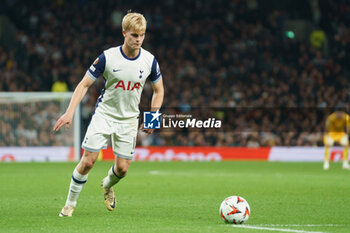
[{"x": 134, "y": 39}]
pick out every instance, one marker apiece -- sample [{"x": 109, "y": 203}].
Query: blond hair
[{"x": 134, "y": 21}]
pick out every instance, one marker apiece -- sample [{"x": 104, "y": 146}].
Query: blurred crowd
[
  {"x": 29, "y": 124},
  {"x": 212, "y": 54}
]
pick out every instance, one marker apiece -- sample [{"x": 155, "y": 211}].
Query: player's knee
[
  {"x": 89, "y": 163},
  {"x": 328, "y": 143},
  {"x": 344, "y": 142},
  {"x": 122, "y": 170}
]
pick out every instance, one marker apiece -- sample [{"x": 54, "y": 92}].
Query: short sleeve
[
  {"x": 97, "y": 68},
  {"x": 155, "y": 75}
]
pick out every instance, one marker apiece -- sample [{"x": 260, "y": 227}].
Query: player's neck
[{"x": 129, "y": 52}]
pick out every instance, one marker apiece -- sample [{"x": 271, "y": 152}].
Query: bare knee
[
  {"x": 87, "y": 162},
  {"x": 122, "y": 166},
  {"x": 122, "y": 170}
]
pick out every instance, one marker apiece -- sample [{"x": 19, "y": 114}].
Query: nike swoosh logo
[
  {"x": 116, "y": 70},
  {"x": 63, "y": 215},
  {"x": 113, "y": 206}
]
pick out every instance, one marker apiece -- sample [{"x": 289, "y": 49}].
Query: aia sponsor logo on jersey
[{"x": 129, "y": 86}]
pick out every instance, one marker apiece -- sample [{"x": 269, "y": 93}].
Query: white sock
[
  {"x": 75, "y": 187},
  {"x": 111, "y": 179}
]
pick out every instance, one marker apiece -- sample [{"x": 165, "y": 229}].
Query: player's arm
[
  {"x": 328, "y": 122},
  {"x": 157, "y": 85},
  {"x": 347, "y": 120},
  {"x": 95, "y": 70},
  {"x": 158, "y": 95},
  {"x": 157, "y": 100},
  {"x": 78, "y": 95},
  {"x": 158, "y": 90}
]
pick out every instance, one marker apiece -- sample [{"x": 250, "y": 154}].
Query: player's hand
[
  {"x": 65, "y": 119},
  {"x": 149, "y": 131}
]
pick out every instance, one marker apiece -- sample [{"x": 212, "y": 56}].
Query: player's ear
[{"x": 124, "y": 32}]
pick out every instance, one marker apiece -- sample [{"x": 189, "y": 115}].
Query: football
[{"x": 235, "y": 209}]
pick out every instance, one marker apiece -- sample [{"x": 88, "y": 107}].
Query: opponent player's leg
[
  {"x": 345, "y": 142},
  {"x": 115, "y": 174},
  {"x": 328, "y": 142},
  {"x": 79, "y": 177}
]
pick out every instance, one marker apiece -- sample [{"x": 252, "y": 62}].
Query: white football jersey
[{"x": 124, "y": 81}]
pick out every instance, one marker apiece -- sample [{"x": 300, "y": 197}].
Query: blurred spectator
[
  {"x": 59, "y": 86},
  {"x": 317, "y": 38},
  {"x": 30, "y": 124}
]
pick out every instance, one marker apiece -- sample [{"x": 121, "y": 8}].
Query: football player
[
  {"x": 337, "y": 129},
  {"x": 125, "y": 69}
]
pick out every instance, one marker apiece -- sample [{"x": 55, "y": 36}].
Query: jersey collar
[{"x": 126, "y": 57}]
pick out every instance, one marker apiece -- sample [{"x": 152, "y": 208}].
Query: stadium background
[
  {"x": 272, "y": 70},
  {"x": 266, "y": 56}
]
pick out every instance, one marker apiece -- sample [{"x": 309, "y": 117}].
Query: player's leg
[
  {"x": 79, "y": 178},
  {"x": 95, "y": 139},
  {"x": 345, "y": 158},
  {"x": 345, "y": 142},
  {"x": 328, "y": 142},
  {"x": 326, "y": 157},
  {"x": 123, "y": 143},
  {"x": 115, "y": 174}
]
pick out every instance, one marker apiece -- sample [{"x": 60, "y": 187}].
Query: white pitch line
[
  {"x": 274, "y": 229},
  {"x": 301, "y": 225},
  {"x": 164, "y": 173},
  {"x": 155, "y": 172}
]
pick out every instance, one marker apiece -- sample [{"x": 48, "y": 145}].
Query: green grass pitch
[{"x": 177, "y": 197}]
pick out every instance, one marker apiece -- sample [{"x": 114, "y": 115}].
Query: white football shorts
[{"x": 123, "y": 136}]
